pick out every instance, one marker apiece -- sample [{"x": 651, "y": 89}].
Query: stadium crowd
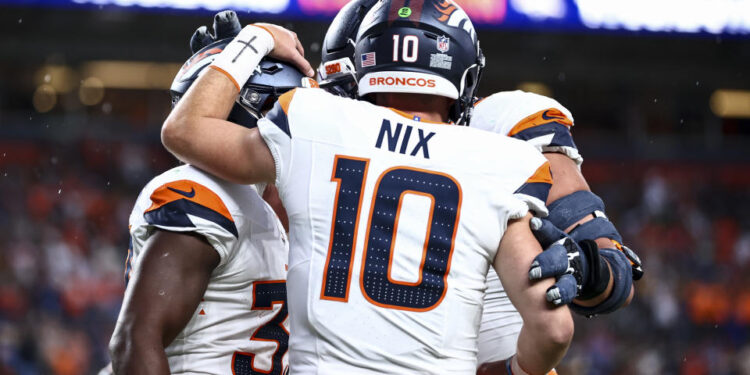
[{"x": 63, "y": 233}]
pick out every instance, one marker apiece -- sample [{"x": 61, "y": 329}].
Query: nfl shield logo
[{"x": 443, "y": 44}]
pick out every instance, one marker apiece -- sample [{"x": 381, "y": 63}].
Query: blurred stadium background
[{"x": 660, "y": 90}]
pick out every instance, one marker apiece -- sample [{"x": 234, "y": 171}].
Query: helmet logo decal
[
  {"x": 443, "y": 44},
  {"x": 453, "y": 15},
  {"x": 405, "y": 9},
  {"x": 193, "y": 62}
]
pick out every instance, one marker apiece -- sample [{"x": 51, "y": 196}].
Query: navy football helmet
[
  {"x": 271, "y": 79},
  {"x": 429, "y": 47},
  {"x": 337, "y": 72}
]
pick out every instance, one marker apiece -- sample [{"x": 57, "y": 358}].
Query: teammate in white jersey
[
  {"x": 206, "y": 269},
  {"x": 545, "y": 124},
  {"x": 405, "y": 295}
]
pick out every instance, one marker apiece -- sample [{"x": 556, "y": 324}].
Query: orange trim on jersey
[
  {"x": 411, "y": 117},
  {"x": 450, "y": 255},
  {"x": 426, "y": 237},
  {"x": 333, "y": 224},
  {"x": 285, "y": 100},
  {"x": 191, "y": 191},
  {"x": 546, "y": 116},
  {"x": 225, "y": 73},
  {"x": 253, "y": 356},
  {"x": 542, "y": 175}
]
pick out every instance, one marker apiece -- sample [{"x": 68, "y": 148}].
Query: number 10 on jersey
[{"x": 375, "y": 280}]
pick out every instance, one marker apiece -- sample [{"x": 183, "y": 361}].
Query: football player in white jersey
[
  {"x": 206, "y": 267},
  {"x": 443, "y": 203},
  {"x": 545, "y": 124}
]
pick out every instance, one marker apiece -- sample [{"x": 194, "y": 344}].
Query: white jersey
[
  {"x": 536, "y": 119},
  {"x": 240, "y": 326},
  {"x": 545, "y": 124},
  {"x": 394, "y": 224}
]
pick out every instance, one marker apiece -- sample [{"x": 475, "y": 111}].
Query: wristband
[
  {"x": 243, "y": 54},
  {"x": 598, "y": 273}
]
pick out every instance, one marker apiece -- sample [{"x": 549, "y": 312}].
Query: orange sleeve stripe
[
  {"x": 542, "y": 175},
  {"x": 546, "y": 116},
  {"x": 188, "y": 190},
  {"x": 286, "y": 100},
  {"x": 224, "y": 72}
]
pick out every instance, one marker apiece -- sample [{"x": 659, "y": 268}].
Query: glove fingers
[
  {"x": 549, "y": 263},
  {"x": 545, "y": 232},
  {"x": 563, "y": 292},
  {"x": 226, "y": 24},
  {"x": 201, "y": 38}
]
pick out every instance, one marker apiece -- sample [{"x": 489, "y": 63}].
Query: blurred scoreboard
[{"x": 663, "y": 16}]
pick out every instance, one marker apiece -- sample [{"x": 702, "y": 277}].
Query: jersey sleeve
[
  {"x": 538, "y": 120},
  {"x": 187, "y": 206},
  {"x": 274, "y": 128},
  {"x": 535, "y": 190}
]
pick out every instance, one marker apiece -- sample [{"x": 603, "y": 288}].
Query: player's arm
[
  {"x": 163, "y": 294},
  {"x": 197, "y": 131},
  {"x": 547, "y": 330},
  {"x": 570, "y": 193}
]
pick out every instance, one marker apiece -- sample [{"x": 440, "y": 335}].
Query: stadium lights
[
  {"x": 731, "y": 103},
  {"x": 712, "y": 16},
  {"x": 91, "y": 91},
  {"x": 264, "y": 6},
  {"x": 60, "y": 77},
  {"x": 45, "y": 98},
  {"x": 131, "y": 74},
  {"x": 536, "y": 88}
]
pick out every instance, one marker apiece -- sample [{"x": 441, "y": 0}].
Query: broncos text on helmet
[{"x": 426, "y": 47}]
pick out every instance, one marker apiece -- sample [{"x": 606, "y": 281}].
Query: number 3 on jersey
[
  {"x": 376, "y": 282},
  {"x": 266, "y": 294}
]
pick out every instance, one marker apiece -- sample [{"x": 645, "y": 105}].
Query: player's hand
[
  {"x": 287, "y": 47},
  {"x": 226, "y": 25},
  {"x": 561, "y": 259}
]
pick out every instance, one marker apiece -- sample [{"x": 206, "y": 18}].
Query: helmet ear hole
[{"x": 469, "y": 80}]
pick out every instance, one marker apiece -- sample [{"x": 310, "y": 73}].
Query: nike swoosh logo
[
  {"x": 186, "y": 194},
  {"x": 547, "y": 117}
]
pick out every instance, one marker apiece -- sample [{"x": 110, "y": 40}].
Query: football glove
[
  {"x": 226, "y": 25},
  {"x": 579, "y": 270}
]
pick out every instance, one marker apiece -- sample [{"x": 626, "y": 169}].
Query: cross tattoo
[{"x": 247, "y": 44}]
